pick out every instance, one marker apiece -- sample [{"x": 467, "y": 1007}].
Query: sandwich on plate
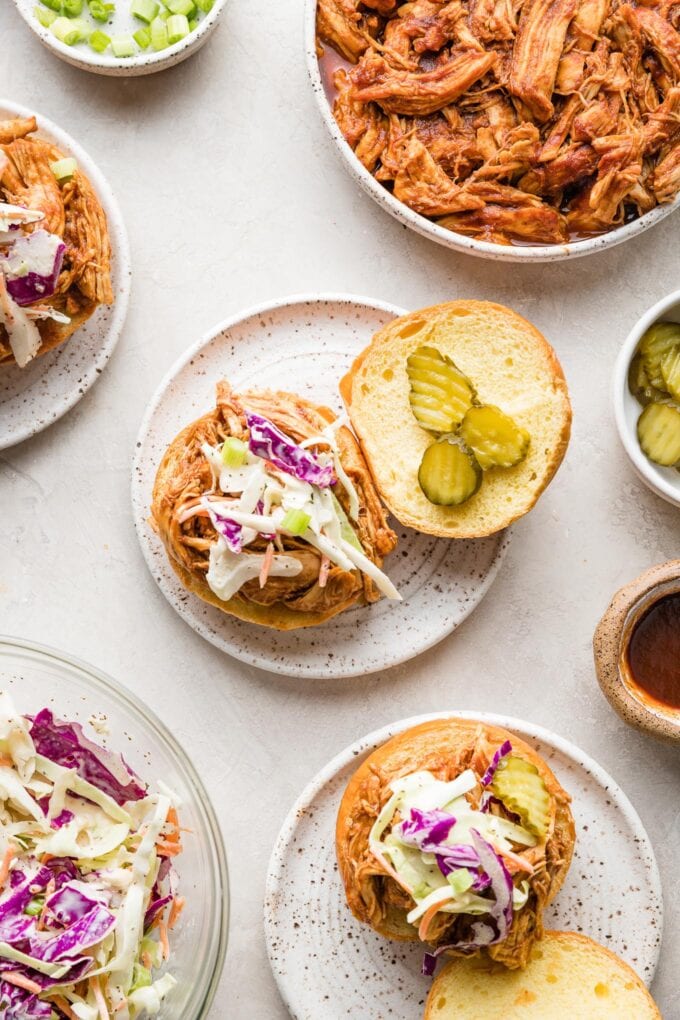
[
  {"x": 55, "y": 254},
  {"x": 267, "y": 510},
  {"x": 455, "y": 833}
]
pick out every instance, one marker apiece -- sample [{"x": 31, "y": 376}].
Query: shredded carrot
[
  {"x": 10, "y": 853},
  {"x": 267, "y": 561},
  {"x": 515, "y": 859},
  {"x": 4, "y": 760},
  {"x": 63, "y": 1005},
  {"x": 426, "y": 921},
  {"x": 46, "y": 858},
  {"x": 165, "y": 945},
  {"x": 173, "y": 820},
  {"x": 21, "y": 981},
  {"x": 45, "y": 911},
  {"x": 176, "y": 910},
  {"x": 323, "y": 571},
  {"x": 147, "y": 961},
  {"x": 99, "y": 998},
  {"x": 165, "y": 849}
]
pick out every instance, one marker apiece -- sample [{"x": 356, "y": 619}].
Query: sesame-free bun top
[
  {"x": 568, "y": 977},
  {"x": 509, "y": 363}
]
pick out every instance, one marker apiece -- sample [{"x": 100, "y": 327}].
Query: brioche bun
[{"x": 510, "y": 365}]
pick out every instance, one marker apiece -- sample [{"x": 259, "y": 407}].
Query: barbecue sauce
[{"x": 653, "y": 653}]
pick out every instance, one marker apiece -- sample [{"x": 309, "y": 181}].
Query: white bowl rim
[
  {"x": 448, "y": 238},
  {"x": 85, "y": 58},
  {"x": 643, "y": 467}
]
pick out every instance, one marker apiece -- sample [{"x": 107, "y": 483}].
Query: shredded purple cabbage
[
  {"x": 426, "y": 830},
  {"x": 268, "y": 442},
  {"x": 503, "y": 750},
  {"x": 156, "y": 908},
  {"x": 429, "y": 964},
  {"x": 231, "y": 532},
  {"x": 65, "y": 744},
  {"x": 18, "y": 1004},
  {"x": 73, "y": 901},
  {"x": 41, "y": 249}
]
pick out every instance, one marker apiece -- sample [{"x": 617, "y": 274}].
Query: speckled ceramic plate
[
  {"x": 32, "y": 398},
  {"x": 449, "y": 238},
  {"x": 305, "y": 344},
  {"x": 328, "y": 965}
]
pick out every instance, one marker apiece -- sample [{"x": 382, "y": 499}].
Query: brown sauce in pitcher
[{"x": 653, "y": 652}]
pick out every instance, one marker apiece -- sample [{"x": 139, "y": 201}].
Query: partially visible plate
[
  {"x": 305, "y": 344},
  {"x": 327, "y": 964},
  {"x": 32, "y": 398}
]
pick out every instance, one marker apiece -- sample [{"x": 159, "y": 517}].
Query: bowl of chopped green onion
[{"x": 122, "y": 37}]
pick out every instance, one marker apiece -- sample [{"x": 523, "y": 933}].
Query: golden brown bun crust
[
  {"x": 429, "y": 746},
  {"x": 568, "y": 967},
  {"x": 275, "y": 615},
  {"x": 530, "y": 478}
]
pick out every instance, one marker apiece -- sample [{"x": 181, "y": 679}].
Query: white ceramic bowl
[
  {"x": 146, "y": 62},
  {"x": 665, "y": 482},
  {"x": 483, "y": 249}
]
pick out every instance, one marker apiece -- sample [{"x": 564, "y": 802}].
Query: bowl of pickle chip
[{"x": 647, "y": 397}]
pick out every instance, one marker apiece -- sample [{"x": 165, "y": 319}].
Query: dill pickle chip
[
  {"x": 440, "y": 393},
  {"x": 494, "y": 438},
  {"x": 639, "y": 384},
  {"x": 449, "y": 473},
  {"x": 670, "y": 371},
  {"x": 658, "y": 431},
  {"x": 654, "y": 345},
  {"x": 519, "y": 785}
]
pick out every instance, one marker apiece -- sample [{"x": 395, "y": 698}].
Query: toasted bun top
[
  {"x": 569, "y": 977},
  {"x": 509, "y": 363}
]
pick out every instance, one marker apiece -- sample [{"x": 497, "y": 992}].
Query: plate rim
[
  {"x": 379, "y": 736},
  {"x": 140, "y": 507},
  {"x": 449, "y": 238},
  {"x": 123, "y": 266}
]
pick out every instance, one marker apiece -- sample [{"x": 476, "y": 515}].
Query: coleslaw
[{"x": 88, "y": 891}]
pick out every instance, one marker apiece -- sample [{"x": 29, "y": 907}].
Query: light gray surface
[{"x": 232, "y": 195}]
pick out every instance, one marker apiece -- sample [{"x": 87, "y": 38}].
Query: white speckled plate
[
  {"x": 32, "y": 398},
  {"x": 328, "y": 965},
  {"x": 305, "y": 344}
]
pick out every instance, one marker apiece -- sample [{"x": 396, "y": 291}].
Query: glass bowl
[{"x": 38, "y": 677}]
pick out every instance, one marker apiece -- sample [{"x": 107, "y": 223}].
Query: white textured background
[{"x": 233, "y": 194}]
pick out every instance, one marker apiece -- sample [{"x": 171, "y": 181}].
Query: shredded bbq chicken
[{"x": 570, "y": 107}]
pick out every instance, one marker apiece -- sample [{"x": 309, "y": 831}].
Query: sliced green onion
[
  {"x": 123, "y": 46},
  {"x": 460, "y": 880},
  {"x": 54, "y": 5},
  {"x": 145, "y": 10},
  {"x": 185, "y": 7},
  {"x": 296, "y": 522},
  {"x": 70, "y": 30},
  {"x": 34, "y": 908},
  {"x": 73, "y": 8},
  {"x": 45, "y": 16},
  {"x": 159, "y": 34},
  {"x": 193, "y": 23},
  {"x": 178, "y": 28},
  {"x": 99, "y": 41},
  {"x": 64, "y": 169},
  {"x": 205, "y": 5},
  {"x": 142, "y": 37},
  {"x": 234, "y": 452},
  {"x": 100, "y": 11},
  {"x": 163, "y": 14}
]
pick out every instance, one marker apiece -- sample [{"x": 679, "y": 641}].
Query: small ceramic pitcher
[{"x": 610, "y": 644}]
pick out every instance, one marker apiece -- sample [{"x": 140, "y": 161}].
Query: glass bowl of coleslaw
[{"x": 77, "y": 745}]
